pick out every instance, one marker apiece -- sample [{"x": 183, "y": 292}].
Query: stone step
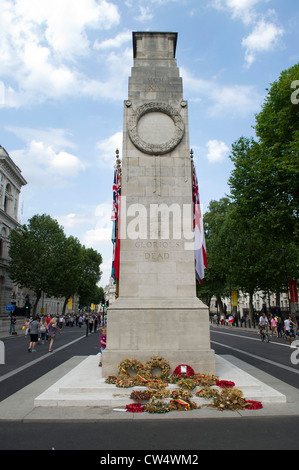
[{"x": 84, "y": 386}]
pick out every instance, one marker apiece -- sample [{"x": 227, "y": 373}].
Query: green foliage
[
  {"x": 245, "y": 233},
  {"x": 43, "y": 259}
]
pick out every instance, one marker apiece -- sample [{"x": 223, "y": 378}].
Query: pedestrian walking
[
  {"x": 43, "y": 330},
  {"x": 103, "y": 340},
  {"x": 90, "y": 323},
  {"x": 34, "y": 331},
  {"x": 52, "y": 331},
  {"x": 13, "y": 322},
  {"x": 288, "y": 326},
  {"x": 273, "y": 326}
]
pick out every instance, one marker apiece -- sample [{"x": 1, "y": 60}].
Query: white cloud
[
  {"x": 57, "y": 138},
  {"x": 39, "y": 48},
  {"x": 241, "y": 9},
  {"x": 116, "y": 42},
  {"x": 223, "y": 100},
  {"x": 265, "y": 34},
  {"x": 145, "y": 14},
  {"x": 263, "y": 38},
  {"x": 107, "y": 147},
  {"x": 217, "y": 151},
  {"x": 44, "y": 166}
]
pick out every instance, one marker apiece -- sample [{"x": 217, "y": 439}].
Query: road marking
[
  {"x": 248, "y": 337},
  {"x": 35, "y": 361},
  {"x": 258, "y": 357}
]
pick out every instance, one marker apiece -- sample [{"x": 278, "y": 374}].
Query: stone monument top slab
[{"x": 154, "y": 45}]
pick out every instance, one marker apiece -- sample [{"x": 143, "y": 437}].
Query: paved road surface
[{"x": 121, "y": 436}]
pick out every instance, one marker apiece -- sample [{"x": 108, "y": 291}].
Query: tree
[
  {"x": 69, "y": 274},
  {"x": 277, "y": 127},
  {"x": 90, "y": 275},
  {"x": 216, "y": 281},
  {"x": 43, "y": 259},
  {"x": 34, "y": 251}
]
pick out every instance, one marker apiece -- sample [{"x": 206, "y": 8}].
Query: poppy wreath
[
  {"x": 135, "y": 408},
  {"x": 225, "y": 384},
  {"x": 253, "y": 405},
  {"x": 157, "y": 362},
  {"x": 129, "y": 364},
  {"x": 178, "y": 372}
]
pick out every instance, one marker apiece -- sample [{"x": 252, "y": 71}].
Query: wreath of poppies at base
[
  {"x": 186, "y": 379},
  {"x": 135, "y": 408},
  {"x": 225, "y": 384}
]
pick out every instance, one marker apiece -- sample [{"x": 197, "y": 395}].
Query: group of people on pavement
[{"x": 46, "y": 327}]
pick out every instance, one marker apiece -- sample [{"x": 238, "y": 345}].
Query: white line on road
[
  {"x": 248, "y": 337},
  {"x": 276, "y": 364},
  {"x": 35, "y": 361}
]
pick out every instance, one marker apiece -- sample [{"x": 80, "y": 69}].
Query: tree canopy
[
  {"x": 44, "y": 260},
  {"x": 246, "y": 231}
]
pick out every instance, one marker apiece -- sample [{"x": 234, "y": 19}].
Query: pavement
[{"x": 21, "y": 405}]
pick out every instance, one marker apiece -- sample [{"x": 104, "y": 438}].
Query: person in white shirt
[
  {"x": 288, "y": 323},
  {"x": 263, "y": 324}
]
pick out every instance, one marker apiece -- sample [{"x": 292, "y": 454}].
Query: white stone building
[{"x": 11, "y": 182}]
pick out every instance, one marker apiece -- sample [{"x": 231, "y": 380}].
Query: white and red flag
[{"x": 199, "y": 236}]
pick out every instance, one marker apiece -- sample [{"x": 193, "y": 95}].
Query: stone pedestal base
[{"x": 180, "y": 334}]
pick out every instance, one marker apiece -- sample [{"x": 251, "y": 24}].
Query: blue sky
[{"x": 64, "y": 76}]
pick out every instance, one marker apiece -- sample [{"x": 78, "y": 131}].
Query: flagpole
[
  {"x": 192, "y": 163},
  {"x": 118, "y": 166},
  {"x": 191, "y": 158}
]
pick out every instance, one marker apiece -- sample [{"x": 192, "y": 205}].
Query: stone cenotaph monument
[{"x": 157, "y": 311}]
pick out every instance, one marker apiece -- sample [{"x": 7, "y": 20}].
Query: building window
[
  {"x": 7, "y": 198},
  {"x": 2, "y": 242}
]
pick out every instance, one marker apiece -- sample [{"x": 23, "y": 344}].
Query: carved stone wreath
[{"x": 151, "y": 148}]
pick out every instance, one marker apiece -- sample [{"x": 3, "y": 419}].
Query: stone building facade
[{"x": 11, "y": 182}]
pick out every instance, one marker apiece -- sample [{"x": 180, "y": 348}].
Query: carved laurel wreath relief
[{"x": 156, "y": 148}]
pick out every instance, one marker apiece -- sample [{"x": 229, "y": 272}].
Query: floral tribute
[
  {"x": 135, "y": 408},
  {"x": 225, "y": 384},
  {"x": 157, "y": 362},
  {"x": 127, "y": 365},
  {"x": 253, "y": 405},
  {"x": 183, "y": 370},
  {"x": 188, "y": 384},
  {"x": 140, "y": 395}
]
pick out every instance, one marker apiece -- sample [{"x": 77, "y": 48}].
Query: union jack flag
[{"x": 115, "y": 225}]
